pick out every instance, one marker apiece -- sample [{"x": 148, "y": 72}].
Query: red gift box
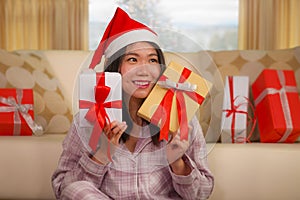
[
  {"x": 16, "y": 112},
  {"x": 277, "y": 106}
]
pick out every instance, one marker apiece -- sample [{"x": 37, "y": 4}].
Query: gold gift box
[{"x": 173, "y": 72}]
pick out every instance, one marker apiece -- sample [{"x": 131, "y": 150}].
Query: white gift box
[
  {"x": 235, "y": 110},
  {"x": 87, "y": 83}
]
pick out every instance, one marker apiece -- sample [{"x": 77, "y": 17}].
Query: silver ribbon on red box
[
  {"x": 14, "y": 105},
  {"x": 284, "y": 101}
]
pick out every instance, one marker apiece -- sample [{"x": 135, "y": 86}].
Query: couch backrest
[{"x": 64, "y": 66}]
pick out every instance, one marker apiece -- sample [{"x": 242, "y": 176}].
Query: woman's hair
[{"x": 112, "y": 64}]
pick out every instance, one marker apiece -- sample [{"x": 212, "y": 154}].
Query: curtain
[
  {"x": 269, "y": 24},
  {"x": 44, "y": 24}
]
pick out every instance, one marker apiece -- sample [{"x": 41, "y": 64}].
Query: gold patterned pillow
[{"x": 31, "y": 70}]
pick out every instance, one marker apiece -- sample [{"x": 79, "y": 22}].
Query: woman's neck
[{"x": 133, "y": 104}]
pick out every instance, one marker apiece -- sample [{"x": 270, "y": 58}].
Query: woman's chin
[{"x": 140, "y": 94}]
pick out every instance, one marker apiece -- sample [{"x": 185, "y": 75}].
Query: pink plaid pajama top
[{"x": 143, "y": 174}]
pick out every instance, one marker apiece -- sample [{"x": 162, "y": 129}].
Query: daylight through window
[{"x": 184, "y": 26}]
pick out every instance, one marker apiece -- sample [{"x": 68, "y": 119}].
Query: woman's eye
[
  {"x": 131, "y": 59},
  {"x": 153, "y": 60}
]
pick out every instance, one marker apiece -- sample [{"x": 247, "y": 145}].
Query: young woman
[{"x": 142, "y": 167}]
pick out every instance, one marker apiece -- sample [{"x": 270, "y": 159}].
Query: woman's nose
[{"x": 143, "y": 69}]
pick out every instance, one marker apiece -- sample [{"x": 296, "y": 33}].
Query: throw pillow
[{"x": 31, "y": 70}]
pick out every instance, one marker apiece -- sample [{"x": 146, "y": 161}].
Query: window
[{"x": 187, "y": 25}]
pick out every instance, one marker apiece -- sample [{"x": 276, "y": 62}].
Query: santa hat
[{"x": 120, "y": 32}]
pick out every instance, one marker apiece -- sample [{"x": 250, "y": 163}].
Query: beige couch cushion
[{"x": 27, "y": 164}]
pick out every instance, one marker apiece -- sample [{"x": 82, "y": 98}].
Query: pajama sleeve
[
  {"x": 75, "y": 164},
  {"x": 199, "y": 183}
]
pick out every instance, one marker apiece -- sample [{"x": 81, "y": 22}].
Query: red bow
[
  {"x": 163, "y": 111},
  {"x": 97, "y": 114}
]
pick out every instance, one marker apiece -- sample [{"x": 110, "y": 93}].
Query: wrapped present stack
[
  {"x": 174, "y": 100},
  {"x": 277, "y": 106},
  {"x": 235, "y": 110},
  {"x": 16, "y": 113},
  {"x": 100, "y": 102}
]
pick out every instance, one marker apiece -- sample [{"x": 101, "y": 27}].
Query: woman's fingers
[
  {"x": 114, "y": 130},
  {"x": 177, "y": 147},
  {"x": 122, "y": 128},
  {"x": 117, "y": 127}
]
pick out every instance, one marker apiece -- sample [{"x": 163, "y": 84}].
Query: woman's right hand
[
  {"x": 109, "y": 141},
  {"x": 114, "y": 131}
]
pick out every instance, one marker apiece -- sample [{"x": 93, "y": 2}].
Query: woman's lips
[{"x": 142, "y": 84}]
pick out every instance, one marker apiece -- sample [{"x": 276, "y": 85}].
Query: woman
[{"x": 142, "y": 167}]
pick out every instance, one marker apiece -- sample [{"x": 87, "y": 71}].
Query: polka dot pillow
[{"x": 29, "y": 70}]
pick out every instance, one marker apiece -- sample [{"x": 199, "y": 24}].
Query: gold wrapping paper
[{"x": 173, "y": 73}]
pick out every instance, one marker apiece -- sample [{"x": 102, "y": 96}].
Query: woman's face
[{"x": 140, "y": 69}]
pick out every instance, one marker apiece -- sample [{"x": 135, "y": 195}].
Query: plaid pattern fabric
[{"x": 143, "y": 174}]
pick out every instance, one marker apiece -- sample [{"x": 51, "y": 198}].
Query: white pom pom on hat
[{"x": 120, "y": 32}]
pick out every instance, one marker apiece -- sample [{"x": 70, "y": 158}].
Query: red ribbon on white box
[
  {"x": 14, "y": 105},
  {"x": 234, "y": 109},
  {"x": 96, "y": 113},
  {"x": 284, "y": 101}
]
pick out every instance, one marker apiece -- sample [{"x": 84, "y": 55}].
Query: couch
[{"x": 254, "y": 170}]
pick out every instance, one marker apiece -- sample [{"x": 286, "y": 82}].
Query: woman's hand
[
  {"x": 109, "y": 141},
  {"x": 114, "y": 131},
  {"x": 175, "y": 150}
]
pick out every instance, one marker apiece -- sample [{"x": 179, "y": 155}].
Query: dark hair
[{"x": 112, "y": 64}]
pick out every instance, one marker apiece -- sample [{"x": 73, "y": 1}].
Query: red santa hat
[{"x": 120, "y": 32}]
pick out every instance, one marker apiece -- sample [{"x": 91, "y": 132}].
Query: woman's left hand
[{"x": 175, "y": 149}]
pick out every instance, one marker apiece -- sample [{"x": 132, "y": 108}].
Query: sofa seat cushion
[{"x": 27, "y": 164}]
